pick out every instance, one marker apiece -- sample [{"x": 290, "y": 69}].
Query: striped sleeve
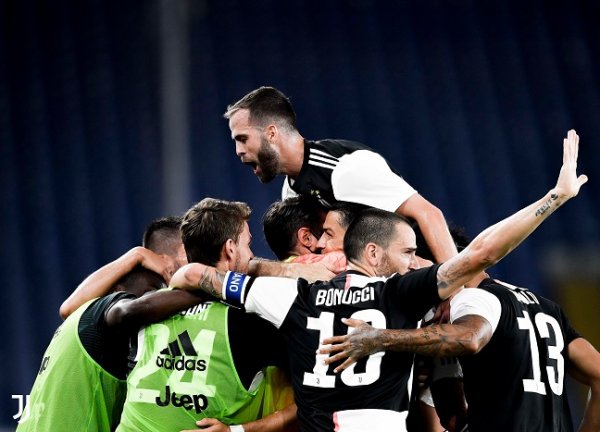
[{"x": 269, "y": 297}]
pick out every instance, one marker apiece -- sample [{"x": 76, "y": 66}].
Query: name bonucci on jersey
[{"x": 337, "y": 296}]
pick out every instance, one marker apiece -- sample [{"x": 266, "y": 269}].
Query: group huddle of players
[{"x": 325, "y": 339}]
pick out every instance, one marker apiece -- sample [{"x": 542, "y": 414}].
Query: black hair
[
  {"x": 283, "y": 219},
  {"x": 371, "y": 226},
  {"x": 265, "y": 104}
]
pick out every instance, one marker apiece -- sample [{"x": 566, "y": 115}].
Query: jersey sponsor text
[{"x": 197, "y": 401}]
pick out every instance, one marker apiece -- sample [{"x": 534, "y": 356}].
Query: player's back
[
  {"x": 516, "y": 382},
  {"x": 378, "y": 382}
]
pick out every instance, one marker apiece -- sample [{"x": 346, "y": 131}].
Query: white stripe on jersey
[
  {"x": 322, "y": 159},
  {"x": 373, "y": 420},
  {"x": 315, "y": 152},
  {"x": 320, "y": 164}
]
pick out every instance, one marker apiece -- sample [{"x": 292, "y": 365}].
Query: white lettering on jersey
[{"x": 336, "y": 296}]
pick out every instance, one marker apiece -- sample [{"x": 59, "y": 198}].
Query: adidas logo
[{"x": 182, "y": 346}]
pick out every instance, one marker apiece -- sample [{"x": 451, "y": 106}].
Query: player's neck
[
  {"x": 292, "y": 155},
  {"x": 362, "y": 268}
]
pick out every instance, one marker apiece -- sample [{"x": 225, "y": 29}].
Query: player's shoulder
[
  {"x": 102, "y": 304},
  {"x": 336, "y": 147}
]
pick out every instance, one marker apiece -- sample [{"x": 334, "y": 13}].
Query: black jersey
[
  {"x": 516, "y": 382},
  {"x": 339, "y": 170},
  {"x": 107, "y": 346},
  {"x": 374, "y": 391}
]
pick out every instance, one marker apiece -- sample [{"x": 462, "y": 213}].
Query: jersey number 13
[{"x": 544, "y": 323}]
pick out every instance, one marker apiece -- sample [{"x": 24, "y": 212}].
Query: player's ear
[
  {"x": 229, "y": 250},
  {"x": 271, "y": 132},
  {"x": 305, "y": 237},
  {"x": 371, "y": 253}
]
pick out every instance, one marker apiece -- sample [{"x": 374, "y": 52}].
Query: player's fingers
[
  {"x": 334, "y": 340},
  {"x": 207, "y": 422},
  {"x": 582, "y": 179},
  {"x": 342, "y": 355},
  {"x": 344, "y": 365},
  {"x": 351, "y": 322},
  {"x": 328, "y": 349}
]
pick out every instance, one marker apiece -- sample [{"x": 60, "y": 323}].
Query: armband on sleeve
[{"x": 234, "y": 288}]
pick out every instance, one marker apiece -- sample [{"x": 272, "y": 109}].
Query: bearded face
[{"x": 267, "y": 162}]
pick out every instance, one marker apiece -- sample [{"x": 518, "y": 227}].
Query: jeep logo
[{"x": 198, "y": 402}]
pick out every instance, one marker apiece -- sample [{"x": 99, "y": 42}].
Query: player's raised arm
[
  {"x": 466, "y": 336},
  {"x": 500, "y": 239}
]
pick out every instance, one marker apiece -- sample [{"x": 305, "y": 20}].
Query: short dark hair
[
  {"x": 283, "y": 219},
  {"x": 370, "y": 226},
  {"x": 138, "y": 280},
  {"x": 265, "y": 104},
  {"x": 347, "y": 212},
  {"x": 208, "y": 225},
  {"x": 459, "y": 236},
  {"x": 161, "y": 233}
]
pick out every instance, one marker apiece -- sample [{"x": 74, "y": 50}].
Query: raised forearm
[
  {"x": 497, "y": 241},
  {"x": 100, "y": 282},
  {"x": 198, "y": 276},
  {"x": 435, "y": 231}
]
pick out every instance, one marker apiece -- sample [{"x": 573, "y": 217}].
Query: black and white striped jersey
[
  {"x": 339, "y": 170},
  {"x": 516, "y": 382},
  {"x": 371, "y": 395}
]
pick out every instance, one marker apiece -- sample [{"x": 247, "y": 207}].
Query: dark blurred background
[{"x": 111, "y": 115}]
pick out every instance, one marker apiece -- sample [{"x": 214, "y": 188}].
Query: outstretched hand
[
  {"x": 568, "y": 183},
  {"x": 362, "y": 341}
]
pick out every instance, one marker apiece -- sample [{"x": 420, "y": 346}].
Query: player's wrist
[{"x": 236, "y": 428}]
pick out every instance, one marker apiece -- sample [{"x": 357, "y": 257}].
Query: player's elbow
[
  {"x": 65, "y": 310},
  {"x": 186, "y": 277},
  {"x": 472, "y": 346},
  {"x": 124, "y": 314}
]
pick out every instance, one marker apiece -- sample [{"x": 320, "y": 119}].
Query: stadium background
[{"x": 110, "y": 116}]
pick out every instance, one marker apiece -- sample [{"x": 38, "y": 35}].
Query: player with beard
[
  {"x": 515, "y": 348},
  {"x": 382, "y": 286},
  {"x": 263, "y": 127}
]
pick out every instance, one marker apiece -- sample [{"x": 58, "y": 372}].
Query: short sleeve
[
  {"x": 476, "y": 301},
  {"x": 570, "y": 333},
  {"x": 415, "y": 292},
  {"x": 364, "y": 177},
  {"x": 269, "y": 297},
  {"x": 96, "y": 312}
]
